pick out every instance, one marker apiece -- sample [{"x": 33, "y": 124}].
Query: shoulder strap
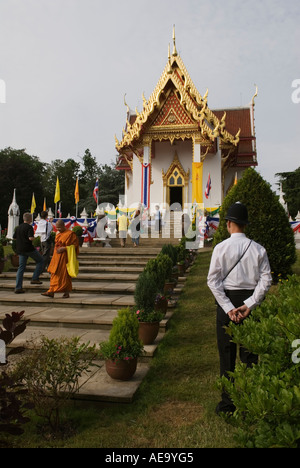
[{"x": 237, "y": 261}]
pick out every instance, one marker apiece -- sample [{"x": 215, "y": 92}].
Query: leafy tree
[
  {"x": 291, "y": 188},
  {"x": 20, "y": 171},
  {"x": 269, "y": 224},
  {"x": 67, "y": 172},
  {"x": 111, "y": 184}
]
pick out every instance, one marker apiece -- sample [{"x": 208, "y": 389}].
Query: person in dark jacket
[{"x": 24, "y": 236}]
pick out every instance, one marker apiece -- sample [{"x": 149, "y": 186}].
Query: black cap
[{"x": 237, "y": 213}]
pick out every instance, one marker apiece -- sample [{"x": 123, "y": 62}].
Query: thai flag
[
  {"x": 95, "y": 192},
  {"x": 208, "y": 187},
  {"x": 59, "y": 213}
]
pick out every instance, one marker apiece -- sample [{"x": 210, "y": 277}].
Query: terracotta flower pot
[
  {"x": 169, "y": 286},
  {"x": 14, "y": 260},
  {"x": 121, "y": 370},
  {"x": 148, "y": 331},
  {"x": 162, "y": 305}
]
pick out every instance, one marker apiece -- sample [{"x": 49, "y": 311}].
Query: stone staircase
[{"x": 106, "y": 283}]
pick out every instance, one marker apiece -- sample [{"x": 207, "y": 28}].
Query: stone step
[
  {"x": 90, "y": 277},
  {"x": 74, "y": 318},
  {"x": 87, "y": 287},
  {"x": 32, "y": 336}
]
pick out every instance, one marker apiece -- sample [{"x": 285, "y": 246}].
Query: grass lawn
[{"x": 175, "y": 405}]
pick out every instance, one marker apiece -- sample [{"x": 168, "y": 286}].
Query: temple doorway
[{"x": 176, "y": 198}]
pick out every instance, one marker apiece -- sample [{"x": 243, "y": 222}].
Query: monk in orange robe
[{"x": 60, "y": 280}]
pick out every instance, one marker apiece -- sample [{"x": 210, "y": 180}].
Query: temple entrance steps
[{"x": 105, "y": 284}]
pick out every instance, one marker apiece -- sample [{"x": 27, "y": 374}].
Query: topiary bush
[
  {"x": 267, "y": 396},
  {"x": 123, "y": 342},
  {"x": 171, "y": 251},
  {"x": 145, "y": 291},
  {"x": 161, "y": 269},
  {"x": 269, "y": 224}
]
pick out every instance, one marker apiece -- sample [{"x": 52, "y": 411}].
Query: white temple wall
[
  {"x": 212, "y": 166},
  {"x": 164, "y": 156}
]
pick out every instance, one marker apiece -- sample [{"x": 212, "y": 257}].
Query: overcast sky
[{"x": 67, "y": 65}]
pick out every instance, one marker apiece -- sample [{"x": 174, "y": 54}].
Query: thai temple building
[{"x": 177, "y": 145}]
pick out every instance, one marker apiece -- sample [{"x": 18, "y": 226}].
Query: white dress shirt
[
  {"x": 43, "y": 230},
  {"x": 253, "y": 272}
]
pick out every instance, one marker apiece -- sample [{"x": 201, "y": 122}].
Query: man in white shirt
[
  {"x": 239, "y": 278},
  {"x": 43, "y": 230}
]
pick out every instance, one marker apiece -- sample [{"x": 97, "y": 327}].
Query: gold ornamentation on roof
[{"x": 191, "y": 100}]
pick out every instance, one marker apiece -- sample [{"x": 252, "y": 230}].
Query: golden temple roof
[{"x": 176, "y": 79}]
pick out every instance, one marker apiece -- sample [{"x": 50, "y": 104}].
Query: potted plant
[
  {"x": 3, "y": 238},
  {"x": 123, "y": 347},
  {"x": 14, "y": 258},
  {"x": 167, "y": 267},
  {"x": 161, "y": 303},
  {"x": 149, "y": 324},
  {"x": 148, "y": 316},
  {"x": 37, "y": 243},
  {"x": 2, "y": 258},
  {"x": 79, "y": 231}
]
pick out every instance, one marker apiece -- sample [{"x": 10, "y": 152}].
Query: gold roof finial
[
  {"x": 125, "y": 103},
  {"x": 174, "y": 43},
  {"x": 169, "y": 59},
  {"x": 256, "y": 93}
]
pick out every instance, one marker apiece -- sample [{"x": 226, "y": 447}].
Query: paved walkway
[{"x": 106, "y": 283}]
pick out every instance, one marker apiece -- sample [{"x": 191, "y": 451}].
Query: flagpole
[{"x": 55, "y": 210}]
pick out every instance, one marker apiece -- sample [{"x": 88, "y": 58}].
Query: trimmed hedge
[
  {"x": 269, "y": 224},
  {"x": 267, "y": 396}
]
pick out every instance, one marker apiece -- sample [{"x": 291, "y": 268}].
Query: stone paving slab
[
  {"x": 100, "y": 387},
  {"x": 77, "y": 286},
  {"x": 90, "y": 277}
]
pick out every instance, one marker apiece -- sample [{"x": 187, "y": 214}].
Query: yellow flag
[
  {"x": 33, "y": 204},
  {"x": 76, "y": 194},
  {"x": 235, "y": 179},
  {"x": 44, "y": 207},
  {"x": 197, "y": 195},
  {"x": 57, "y": 192}
]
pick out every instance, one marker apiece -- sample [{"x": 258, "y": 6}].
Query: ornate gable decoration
[
  {"x": 184, "y": 105},
  {"x": 172, "y": 113}
]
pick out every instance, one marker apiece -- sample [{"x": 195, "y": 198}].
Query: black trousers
[
  {"x": 228, "y": 349},
  {"x": 46, "y": 252}
]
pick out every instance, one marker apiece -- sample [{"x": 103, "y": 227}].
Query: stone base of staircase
[{"x": 105, "y": 284}]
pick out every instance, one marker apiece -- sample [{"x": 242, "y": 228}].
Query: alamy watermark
[
  {"x": 296, "y": 353},
  {"x": 296, "y": 93},
  {"x": 2, "y": 92}
]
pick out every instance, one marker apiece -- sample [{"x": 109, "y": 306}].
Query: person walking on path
[
  {"x": 239, "y": 278},
  {"x": 135, "y": 227},
  {"x": 24, "y": 236},
  {"x": 122, "y": 227},
  {"x": 43, "y": 230},
  {"x": 60, "y": 280}
]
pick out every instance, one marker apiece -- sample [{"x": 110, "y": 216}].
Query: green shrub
[
  {"x": 146, "y": 290},
  {"x": 166, "y": 265},
  {"x": 182, "y": 250},
  {"x": 269, "y": 224},
  {"x": 123, "y": 342},
  {"x": 51, "y": 374},
  {"x": 267, "y": 396},
  {"x": 155, "y": 269},
  {"x": 171, "y": 251},
  {"x": 77, "y": 230},
  {"x": 36, "y": 242}
]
